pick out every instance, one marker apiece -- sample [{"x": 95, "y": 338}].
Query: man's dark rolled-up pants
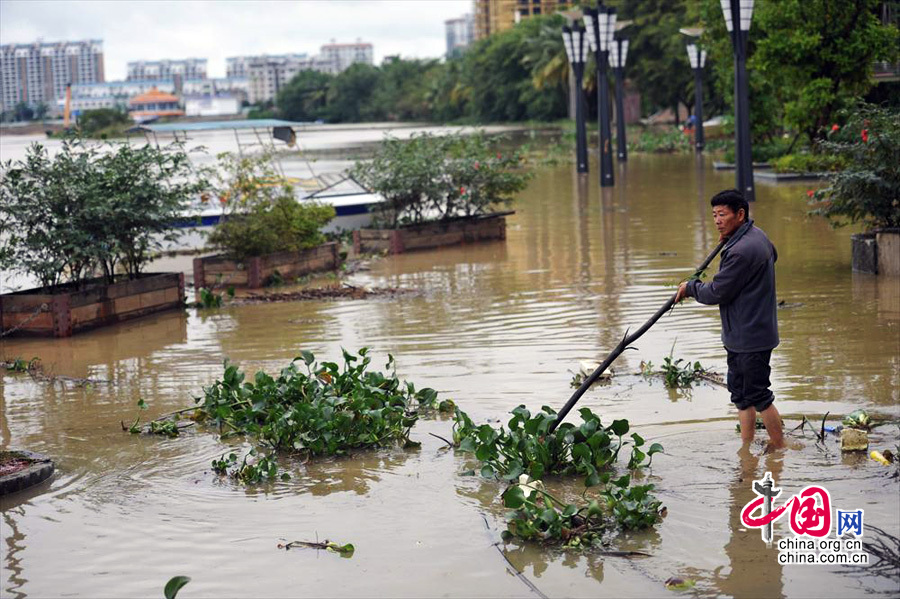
[{"x": 748, "y": 380}]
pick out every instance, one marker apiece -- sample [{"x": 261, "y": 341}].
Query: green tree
[
  {"x": 808, "y": 59},
  {"x": 819, "y": 54},
  {"x": 349, "y": 95},
  {"x": 657, "y": 60},
  {"x": 23, "y": 112},
  {"x": 500, "y": 79},
  {"x": 401, "y": 93},
  {"x": 304, "y": 98},
  {"x": 102, "y": 121}
]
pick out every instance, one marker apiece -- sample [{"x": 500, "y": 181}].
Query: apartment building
[
  {"x": 460, "y": 33},
  {"x": 492, "y": 16},
  {"x": 341, "y": 56},
  {"x": 266, "y": 75},
  {"x": 239, "y": 66},
  {"x": 39, "y": 72},
  {"x": 188, "y": 68}
]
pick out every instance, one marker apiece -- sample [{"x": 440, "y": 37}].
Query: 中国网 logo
[{"x": 810, "y": 520}]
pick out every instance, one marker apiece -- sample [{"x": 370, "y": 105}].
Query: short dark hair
[{"x": 733, "y": 199}]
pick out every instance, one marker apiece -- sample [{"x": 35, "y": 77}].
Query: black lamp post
[
  {"x": 697, "y": 56},
  {"x": 737, "y": 20},
  {"x": 618, "y": 53},
  {"x": 600, "y": 24},
  {"x": 576, "y": 49}
]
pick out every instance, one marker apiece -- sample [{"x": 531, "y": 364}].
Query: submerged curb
[{"x": 39, "y": 470}]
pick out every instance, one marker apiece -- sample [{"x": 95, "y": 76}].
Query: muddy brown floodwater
[{"x": 492, "y": 326}]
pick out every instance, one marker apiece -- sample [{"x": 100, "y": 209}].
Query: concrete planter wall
[
  {"x": 877, "y": 252},
  {"x": 888, "y": 242},
  {"x": 431, "y": 235},
  {"x": 258, "y": 271},
  {"x": 60, "y": 313}
]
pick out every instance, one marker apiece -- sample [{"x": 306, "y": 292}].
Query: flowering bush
[{"x": 868, "y": 190}]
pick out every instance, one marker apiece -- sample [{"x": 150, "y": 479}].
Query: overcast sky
[{"x": 155, "y": 29}]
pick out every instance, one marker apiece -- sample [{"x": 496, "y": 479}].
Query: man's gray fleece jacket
[{"x": 744, "y": 288}]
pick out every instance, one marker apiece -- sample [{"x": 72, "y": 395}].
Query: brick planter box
[
  {"x": 257, "y": 271},
  {"x": 62, "y": 311},
  {"x": 484, "y": 227}
]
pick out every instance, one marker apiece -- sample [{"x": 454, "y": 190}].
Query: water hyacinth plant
[
  {"x": 526, "y": 452},
  {"x": 526, "y": 448},
  {"x": 326, "y": 410}
]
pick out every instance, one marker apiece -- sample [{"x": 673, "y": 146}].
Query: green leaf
[
  {"x": 307, "y": 357},
  {"x": 619, "y": 427},
  {"x": 174, "y": 585},
  {"x": 487, "y": 471},
  {"x": 514, "y": 497},
  {"x": 654, "y": 448},
  {"x": 142, "y": 404}
]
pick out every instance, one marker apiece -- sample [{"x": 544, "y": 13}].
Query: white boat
[{"x": 351, "y": 201}]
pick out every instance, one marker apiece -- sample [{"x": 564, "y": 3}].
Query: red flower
[
  {"x": 477, "y": 165},
  {"x": 865, "y": 135},
  {"x": 810, "y": 192},
  {"x": 834, "y": 128},
  {"x": 462, "y": 191},
  {"x": 499, "y": 156}
]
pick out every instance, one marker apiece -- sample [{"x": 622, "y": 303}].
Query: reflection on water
[
  {"x": 751, "y": 570},
  {"x": 495, "y": 325}
]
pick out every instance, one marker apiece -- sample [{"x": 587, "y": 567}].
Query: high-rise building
[
  {"x": 38, "y": 73},
  {"x": 341, "y": 56},
  {"x": 460, "y": 33},
  {"x": 492, "y": 16},
  {"x": 266, "y": 74},
  {"x": 239, "y": 66},
  {"x": 188, "y": 68}
]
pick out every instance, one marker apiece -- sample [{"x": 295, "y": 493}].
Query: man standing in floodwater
[{"x": 744, "y": 289}]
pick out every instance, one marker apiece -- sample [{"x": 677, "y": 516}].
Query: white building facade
[
  {"x": 340, "y": 56},
  {"x": 188, "y": 68},
  {"x": 38, "y": 73}
]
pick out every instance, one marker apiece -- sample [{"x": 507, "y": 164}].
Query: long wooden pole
[{"x": 625, "y": 342}]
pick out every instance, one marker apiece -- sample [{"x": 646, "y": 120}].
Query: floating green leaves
[
  {"x": 525, "y": 447},
  {"x": 326, "y": 410},
  {"x": 526, "y": 452}
]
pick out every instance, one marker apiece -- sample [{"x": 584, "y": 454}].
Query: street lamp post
[
  {"x": 576, "y": 50},
  {"x": 617, "y": 55},
  {"x": 697, "y": 56},
  {"x": 600, "y": 24},
  {"x": 737, "y": 20}
]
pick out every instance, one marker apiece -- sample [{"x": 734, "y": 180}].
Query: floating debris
[
  {"x": 854, "y": 440},
  {"x": 343, "y": 550},
  {"x": 882, "y": 458},
  {"x": 329, "y": 292},
  {"x": 858, "y": 419},
  {"x": 680, "y": 584},
  {"x": 585, "y": 369}
]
